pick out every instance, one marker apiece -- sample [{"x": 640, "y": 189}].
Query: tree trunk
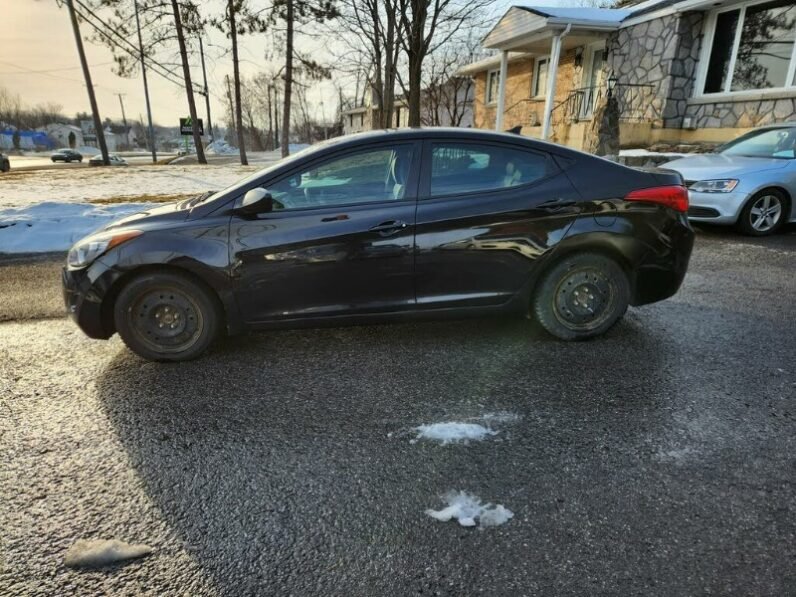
[
  {"x": 186, "y": 71},
  {"x": 236, "y": 73},
  {"x": 288, "y": 80},
  {"x": 415, "y": 80}
]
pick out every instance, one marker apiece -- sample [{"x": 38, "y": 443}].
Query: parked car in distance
[
  {"x": 750, "y": 182},
  {"x": 114, "y": 160},
  {"x": 5, "y": 164},
  {"x": 389, "y": 225},
  {"x": 66, "y": 155}
]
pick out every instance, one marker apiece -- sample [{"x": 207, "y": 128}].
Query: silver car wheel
[{"x": 765, "y": 213}]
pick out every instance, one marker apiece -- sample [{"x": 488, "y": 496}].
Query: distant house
[
  {"x": 682, "y": 70},
  {"x": 366, "y": 116},
  {"x": 60, "y": 133}
]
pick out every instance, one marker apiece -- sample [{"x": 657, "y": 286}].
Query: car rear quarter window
[{"x": 458, "y": 168}]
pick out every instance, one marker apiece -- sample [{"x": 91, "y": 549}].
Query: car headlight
[
  {"x": 85, "y": 251},
  {"x": 724, "y": 185}
]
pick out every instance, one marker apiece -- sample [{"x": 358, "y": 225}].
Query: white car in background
[
  {"x": 114, "y": 160},
  {"x": 750, "y": 182}
]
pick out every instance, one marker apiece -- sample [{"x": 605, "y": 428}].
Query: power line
[
  {"x": 131, "y": 50},
  {"x": 44, "y": 72}
]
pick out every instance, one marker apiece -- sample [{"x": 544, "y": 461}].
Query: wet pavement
[{"x": 658, "y": 460}]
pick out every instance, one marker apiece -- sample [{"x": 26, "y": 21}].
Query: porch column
[
  {"x": 552, "y": 75},
  {"x": 501, "y": 102}
]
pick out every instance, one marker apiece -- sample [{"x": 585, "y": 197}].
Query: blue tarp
[{"x": 30, "y": 138}]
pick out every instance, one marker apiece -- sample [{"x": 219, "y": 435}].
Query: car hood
[
  {"x": 715, "y": 165},
  {"x": 153, "y": 217}
]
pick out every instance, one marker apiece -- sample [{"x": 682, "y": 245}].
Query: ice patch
[
  {"x": 468, "y": 510},
  {"x": 100, "y": 552},
  {"x": 449, "y": 433}
]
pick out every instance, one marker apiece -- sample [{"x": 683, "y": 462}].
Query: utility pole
[
  {"x": 207, "y": 93},
  {"x": 124, "y": 120},
  {"x": 146, "y": 87},
  {"x": 89, "y": 85}
]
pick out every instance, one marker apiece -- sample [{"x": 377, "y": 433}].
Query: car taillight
[{"x": 674, "y": 196}]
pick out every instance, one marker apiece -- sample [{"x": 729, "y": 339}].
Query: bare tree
[
  {"x": 292, "y": 13},
  {"x": 425, "y": 26}
]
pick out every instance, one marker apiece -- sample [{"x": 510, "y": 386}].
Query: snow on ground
[
  {"x": 52, "y": 226},
  {"x": 78, "y": 185},
  {"x": 448, "y": 433},
  {"x": 452, "y": 432},
  {"x": 647, "y": 153},
  {"x": 468, "y": 510}
]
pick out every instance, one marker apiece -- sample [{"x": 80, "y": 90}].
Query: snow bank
[
  {"x": 468, "y": 510},
  {"x": 448, "y": 433},
  {"x": 53, "y": 226},
  {"x": 220, "y": 147}
]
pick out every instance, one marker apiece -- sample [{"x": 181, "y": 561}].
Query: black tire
[
  {"x": 764, "y": 213},
  {"x": 167, "y": 317},
  {"x": 581, "y": 297},
  {"x": 6, "y": 166}
]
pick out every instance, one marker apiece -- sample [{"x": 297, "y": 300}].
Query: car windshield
[{"x": 779, "y": 143}]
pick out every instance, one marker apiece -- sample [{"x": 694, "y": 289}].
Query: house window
[
  {"x": 540, "y": 76},
  {"x": 492, "y": 85},
  {"x": 752, "y": 48}
]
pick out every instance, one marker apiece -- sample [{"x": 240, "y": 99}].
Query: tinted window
[
  {"x": 367, "y": 176},
  {"x": 463, "y": 168}
]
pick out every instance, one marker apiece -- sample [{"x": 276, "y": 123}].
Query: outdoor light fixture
[
  {"x": 612, "y": 80},
  {"x": 578, "y": 56}
]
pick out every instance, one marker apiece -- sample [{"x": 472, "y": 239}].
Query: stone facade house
[{"x": 684, "y": 71}]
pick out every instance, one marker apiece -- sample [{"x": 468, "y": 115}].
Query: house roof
[
  {"x": 581, "y": 14},
  {"x": 526, "y": 22}
]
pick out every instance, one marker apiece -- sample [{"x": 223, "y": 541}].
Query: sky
[
  {"x": 36, "y": 35},
  {"x": 39, "y": 61}
]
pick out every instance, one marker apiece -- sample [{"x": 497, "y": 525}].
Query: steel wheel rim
[
  {"x": 765, "y": 213},
  {"x": 166, "y": 320},
  {"x": 584, "y": 299}
]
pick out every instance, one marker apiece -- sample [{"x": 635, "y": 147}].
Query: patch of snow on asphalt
[
  {"x": 52, "y": 226},
  {"x": 448, "y": 433},
  {"x": 468, "y": 510},
  {"x": 101, "y": 552}
]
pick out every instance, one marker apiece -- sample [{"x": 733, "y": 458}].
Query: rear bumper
[
  {"x": 661, "y": 271},
  {"x": 83, "y": 295}
]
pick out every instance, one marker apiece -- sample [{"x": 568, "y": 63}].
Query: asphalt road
[{"x": 659, "y": 460}]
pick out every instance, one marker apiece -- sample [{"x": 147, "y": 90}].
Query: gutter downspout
[{"x": 555, "y": 55}]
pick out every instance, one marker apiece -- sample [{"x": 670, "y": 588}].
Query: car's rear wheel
[
  {"x": 167, "y": 317},
  {"x": 582, "y": 296},
  {"x": 764, "y": 213}
]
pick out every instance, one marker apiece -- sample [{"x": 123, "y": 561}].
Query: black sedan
[
  {"x": 383, "y": 226},
  {"x": 66, "y": 155}
]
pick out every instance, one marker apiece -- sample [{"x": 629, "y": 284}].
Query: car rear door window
[
  {"x": 368, "y": 176},
  {"x": 458, "y": 168}
]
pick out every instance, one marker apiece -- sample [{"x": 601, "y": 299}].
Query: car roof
[{"x": 453, "y": 133}]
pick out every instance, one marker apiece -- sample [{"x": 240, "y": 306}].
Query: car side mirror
[{"x": 257, "y": 201}]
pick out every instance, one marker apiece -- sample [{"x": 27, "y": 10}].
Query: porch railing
[{"x": 634, "y": 103}]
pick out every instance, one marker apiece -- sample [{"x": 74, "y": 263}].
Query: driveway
[{"x": 658, "y": 460}]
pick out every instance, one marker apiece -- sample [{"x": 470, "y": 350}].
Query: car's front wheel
[
  {"x": 764, "y": 213},
  {"x": 582, "y": 296},
  {"x": 167, "y": 317}
]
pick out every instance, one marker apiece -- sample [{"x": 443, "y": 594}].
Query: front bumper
[
  {"x": 718, "y": 208},
  {"x": 84, "y": 291}
]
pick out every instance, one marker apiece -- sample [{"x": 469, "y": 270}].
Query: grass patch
[{"x": 146, "y": 198}]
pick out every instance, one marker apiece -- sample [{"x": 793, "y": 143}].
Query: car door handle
[
  {"x": 556, "y": 204},
  {"x": 389, "y": 228}
]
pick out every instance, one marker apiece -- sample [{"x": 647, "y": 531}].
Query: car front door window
[{"x": 368, "y": 176}]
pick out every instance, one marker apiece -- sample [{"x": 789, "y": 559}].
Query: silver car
[{"x": 750, "y": 182}]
